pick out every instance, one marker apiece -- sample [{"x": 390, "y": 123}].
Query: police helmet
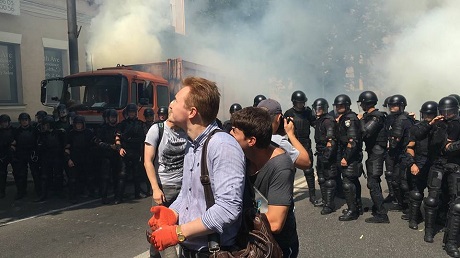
[
  {"x": 40, "y": 114},
  {"x": 342, "y": 99},
  {"x": 397, "y": 100},
  {"x": 163, "y": 111},
  {"x": 112, "y": 113},
  {"x": 79, "y": 120},
  {"x": 456, "y": 96},
  {"x": 448, "y": 106},
  {"x": 23, "y": 116},
  {"x": 258, "y": 99},
  {"x": 61, "y": 110},
  {"x": 385, "y": 102},
  {"x": 131, "y": 107},
  {"x": 235, "y": 107},
  {"x": 48, "y": 120},
  {"x": 368, "y": 97},
  {"x": 148, "y": 112},
  {"x": 298, "y": 96},
  {"x": 5, "y": 118},
  {"x": 320, "y": 103},
  {"x": 429, "y": 108}
]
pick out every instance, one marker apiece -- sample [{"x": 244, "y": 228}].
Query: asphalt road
[{"x": 88, "y": 229}]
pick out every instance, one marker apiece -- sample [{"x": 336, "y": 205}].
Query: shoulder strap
[
  {"x": 204, "y": 178},
  {"x": 213, "y": 239},
  {"x": 161, "y": 128}
]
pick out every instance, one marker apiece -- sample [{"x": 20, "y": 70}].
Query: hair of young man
[
  {"x": 204, "y": 96},
  {"x": 254, "y": 122}
]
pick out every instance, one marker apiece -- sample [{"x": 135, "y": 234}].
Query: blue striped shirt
[{"x": 226, "y": 165}]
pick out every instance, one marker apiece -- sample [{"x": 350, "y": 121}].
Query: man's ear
[
  {"x": 252, "y": 141},
  {"x": 193, "y": 112}
]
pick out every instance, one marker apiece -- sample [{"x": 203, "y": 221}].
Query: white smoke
[
  {"x": 125, "y": 32},
  {"x": 423, "y": 62},
  {"x": 411, "y": 46}
]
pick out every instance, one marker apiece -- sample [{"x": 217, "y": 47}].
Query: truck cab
[{"x": 90, "y": 93}]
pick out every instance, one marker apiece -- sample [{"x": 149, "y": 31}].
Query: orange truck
[{"x": 149, "y": 85}]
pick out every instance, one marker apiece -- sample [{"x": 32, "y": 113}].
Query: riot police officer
[
  {"x": 24, "y": 157},
  {"x": 129, "y": 143},
  {"x": 349, "y": 156},
  {"x": 107, "y": 155},
  {"x": 51, "y": 143},
  {"x": 418, "y": 162},
  {"x": 63, "y": 119},
  {"x": 258, "y": 99},
  {"x": 162, "y": 114},
  {"x": 389, "y": 118},
  {"x": 398, "y": 138},
  {"x": 149, "y": 116},
  {"x": 326, "y": 151},
  {"x": 233, "y": 108},
  {"x": 445, "y": 130},
  {"x": 6, "y": 139},
  {"x": 303, "y": 119},
  {"x": 375, "y": 138},
  {"x": 79, "y": 141}
]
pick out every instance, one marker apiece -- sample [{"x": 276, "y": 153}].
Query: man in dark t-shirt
[{"x": 271, "y": 172}]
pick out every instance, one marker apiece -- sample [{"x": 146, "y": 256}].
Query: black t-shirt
[{"x": 275, "y": 180}]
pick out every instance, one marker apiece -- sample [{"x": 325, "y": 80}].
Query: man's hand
[
  {"x": 161, "y": 217},
  {"x": 122, "y": 152},
  {"x": 158, "y": 196},
  {"x": 343, "y": 162},
  {"x": 164, "y": 237},
  {"x": 414, "y": 170},
  {"x": 289, "y": 125},
  {"x": 360, "y": 116},
  {"x": 70, "y": 163},
  {"x": 436, "y": 119}
]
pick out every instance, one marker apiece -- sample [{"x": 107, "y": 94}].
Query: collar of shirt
[{"x": 203, "y": 136}]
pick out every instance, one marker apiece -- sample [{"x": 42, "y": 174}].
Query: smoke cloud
[
  {"x": 423, "y": 61},
  {"x": 126, "y": 32},
  {"x": 276, "y": 47}
]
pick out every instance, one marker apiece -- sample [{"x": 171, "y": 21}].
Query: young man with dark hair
[{"x": 271, "y": 171}]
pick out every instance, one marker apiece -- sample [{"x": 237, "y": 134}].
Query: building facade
[{"x": 34, "y": 46}]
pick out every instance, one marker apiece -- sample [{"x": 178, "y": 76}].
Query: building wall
[{"x": 41, "y": 24}]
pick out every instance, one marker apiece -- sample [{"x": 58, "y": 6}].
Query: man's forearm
[{"x": 303, "y": 161}]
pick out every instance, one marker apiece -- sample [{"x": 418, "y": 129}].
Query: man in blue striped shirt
[{"x": 187, "y": 222}]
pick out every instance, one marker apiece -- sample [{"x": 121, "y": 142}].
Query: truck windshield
[{"x": 95, "y": 92}]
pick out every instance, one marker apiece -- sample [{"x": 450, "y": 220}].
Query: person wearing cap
[{"x": 282, "y": 127}]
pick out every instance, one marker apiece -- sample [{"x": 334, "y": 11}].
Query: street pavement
[{"x": 88, "y": 229}]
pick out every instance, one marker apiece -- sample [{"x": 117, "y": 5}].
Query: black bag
[{"x": 254, "y": 239}]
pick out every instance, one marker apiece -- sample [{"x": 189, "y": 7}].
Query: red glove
[
  {"x": 162, "y": 216},
  {"x": 164, "y": 237}
]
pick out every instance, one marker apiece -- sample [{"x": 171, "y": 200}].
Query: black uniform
[
  {"x": 325, "y": 131},
  {"x": 398, "y": 139},
  {"x": 51, "y": 151},
  {"x": 80, "y": 174},
  {"x": 6, "y": 139},
  {"x": 302, "y": 122},
  {"x": 131, "y": 134},
  {"x": 375, "y": 137},
  {"x": 418, "y": 183},
  {"x": 25, "y": 157},
  {"x": 349, "y": 133},
  {"x": 109, "y": 159},
  {"x": 389, "y": 162}
]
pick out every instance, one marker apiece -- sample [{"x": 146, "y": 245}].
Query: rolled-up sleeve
[{"x": 226, "y": 165}]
